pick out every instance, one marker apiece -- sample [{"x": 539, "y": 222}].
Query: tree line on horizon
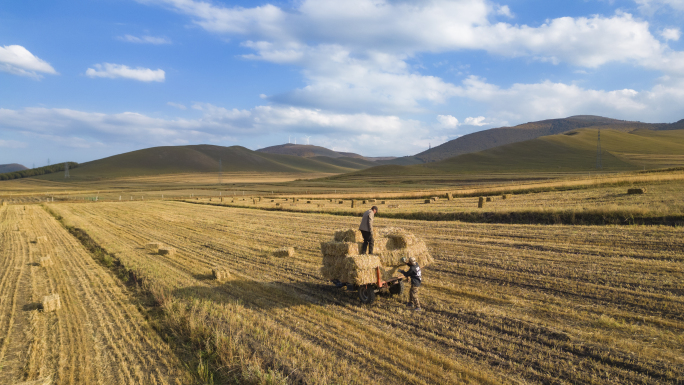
[{"x": 36, "y": 171}]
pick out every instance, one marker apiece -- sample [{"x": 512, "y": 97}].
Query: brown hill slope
[{"x": 495, "y": 137}]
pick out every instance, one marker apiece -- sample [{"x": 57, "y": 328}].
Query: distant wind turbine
[{"x": 307, "y": 139}]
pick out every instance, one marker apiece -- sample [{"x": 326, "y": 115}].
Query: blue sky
[{"x": 81, "y": 80}]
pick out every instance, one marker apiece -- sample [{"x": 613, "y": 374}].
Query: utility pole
[
  {"x": 66, "y": 170},
  {"x": 220, "y": 169},
  {"x": 599, "y": 164}
]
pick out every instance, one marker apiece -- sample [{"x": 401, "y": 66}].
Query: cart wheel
[
  {"x": 367, "y": 294},
  {"x": 397, "y": 288}
]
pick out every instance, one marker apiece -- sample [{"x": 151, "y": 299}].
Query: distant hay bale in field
[
  {"x": 435, "y": 199},
  {"x": 209, "y": 199},
  {"x": 340, "y": 202},
  {"x": 393, "y": 206},
  {"x": 308, "y": 201},
  {"x": 371, "y": 201},
  {"x": 167, "y": 251},
  {"x": 449, "y": 196},
  {"x": 428, "y": 201},
  {"x": 489, "y": 199},
  {"x": 365, "y": 202},
  {"x": 153, "y": 247},
  {"x": 221, "y": 199},
  {"x": 480, "y": 202},
  {"x": 320, "y": 205},
  {"x": 220, "y": 273},
  {"x": 636, "y": 191},
  {"x": 254, "y": 201},
  {"x": 277, "y": 204},
  {"x": 42, "y": 238},
  {"x": 382, "y": 202},
  {"x": 272, "y": 200},
  {"x": 504, "y": 196},
  {"x": 51, "y": 303},
  {"x": 284, "y": 252},
  {"x": 352, "y": 203},
  {"x": 45, "y": 261}
]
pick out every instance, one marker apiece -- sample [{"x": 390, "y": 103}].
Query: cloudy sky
[{"x": 85, "y": 79}]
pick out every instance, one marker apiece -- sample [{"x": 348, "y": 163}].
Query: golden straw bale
[
  {"x": 428, "y": 201},
  {"x": 284, "y": 252},
  {"x": 153, "y": 247},
  {"x": 167, "y": 251},
  {"x": 51, "y": 303},
  {"x": 371, "y": 201},
  {"x": 636, "y": 191},
  {"x": 349, "y": 235},
  {"x": 449, "y": 196},
  {"x": 339, "y": 248},
  {"x": 504, "y": 196},
  {"x": 382, "y": 202},
  {"x": 277, "y": 204},
  {"x": 489, "y": 199},
  {"x": 46, "y": 261},
  {"x": 220, "y": 273},
  {"x": 435, "y": 199},
  {"x": 480, "y": 202},
  {"x": 42, "y": 238}
]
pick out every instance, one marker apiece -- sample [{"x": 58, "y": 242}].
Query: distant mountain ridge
[
  {"x": 495, "y": 137},
  {"x": 312, "y": 151},
  {"x": 205, "y": 158},
  {"x": 12, "y": 167}
]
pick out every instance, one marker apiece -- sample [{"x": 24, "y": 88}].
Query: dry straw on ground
[
  {"x": 46, "y": 261},
  {"x": 51, "y": 303},
  {"x": 284, "y": 252}
]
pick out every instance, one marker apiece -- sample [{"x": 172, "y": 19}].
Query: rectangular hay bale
[
  {"x": 220, "y": 273},
  {"x": 167, "y": 251},
  {"x": 348, "y": 235},
  {"x": 46, "y": 261},
  {"x": 51, "y": 303},
  {"x": 284, "y": 252},
  {"x": 153, "y": 247},
  {"x": 339, "y": 249},
  {"x": 636, "y": 191}
]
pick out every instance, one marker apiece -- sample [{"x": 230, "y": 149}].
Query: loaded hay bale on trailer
[{"x": 342, "y": 262}]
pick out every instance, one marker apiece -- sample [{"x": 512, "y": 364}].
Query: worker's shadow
[{"x": 266, "y": 295}]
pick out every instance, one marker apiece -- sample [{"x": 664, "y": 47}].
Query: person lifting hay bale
[{"x": 344, "y": 265}]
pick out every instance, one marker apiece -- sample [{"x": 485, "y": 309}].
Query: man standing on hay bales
[
  {"x": 416, "y": 279},
  {"x": 366, "y": 228}
]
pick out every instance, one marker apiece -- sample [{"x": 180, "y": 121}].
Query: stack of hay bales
[
  {"x": 51, "y": 303},
  {"x": 284, "y": 252},
  {"x": 341, "y": 259},
  {"x": 220, "y": 273}
]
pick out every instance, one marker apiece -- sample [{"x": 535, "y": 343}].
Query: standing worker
[
  {"x": 366, "y": 228},
  {"x": 416, "y": 279}
]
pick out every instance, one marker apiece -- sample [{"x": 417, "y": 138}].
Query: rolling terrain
[
  {"x": 495, "y": 137},
  {"x": 203, "y": 159},
  {"x": 12, "y": 167}
]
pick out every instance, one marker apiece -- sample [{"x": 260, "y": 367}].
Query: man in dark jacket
[
  {"x": 416, "y": 278},
  {"x": 366, "y": 228}
]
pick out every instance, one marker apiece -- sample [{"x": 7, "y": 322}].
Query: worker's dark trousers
[
  {"x": 368, "y": 242},
  {"x": 413, "y": 297}
]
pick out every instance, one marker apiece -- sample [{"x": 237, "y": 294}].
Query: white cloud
[
  {"x": 447, "y": 121},
  {"x": 177, "y": 105},
  {"x": 503, "y": 10},
  {"x": 17, "y": 60},
  {"x": 12, "y": 144},
  {"x": 109, "y": 70},
  {"x": 479, "y": 121},
  {"x": 144, "y": 39},
  {"x": 650, "y": 6},
  {"x": 671, "y": 34}
]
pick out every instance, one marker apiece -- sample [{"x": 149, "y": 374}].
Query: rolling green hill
[
  {"x": 203, "y": 158},
  {"x": 495, "y": 137},
  {"x": 572, "y": 151},
  {"x": 12, "y": 167}
]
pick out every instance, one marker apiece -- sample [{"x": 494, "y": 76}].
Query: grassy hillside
[
  {"x": 483, "y": 140},
  {"x": 201, "y": 158},
  {"x": 573, "y": 151},
  {"x": 307, "y": 151}
]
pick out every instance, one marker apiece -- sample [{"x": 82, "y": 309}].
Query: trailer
[{"x": 395, "y": 286}]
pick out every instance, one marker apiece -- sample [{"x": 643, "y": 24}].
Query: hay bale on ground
[
  {"x": 371, "y": 201},
  {"x": 382, "y": 202},
  {"x": 352, "y": 203},
  {"x": 489, "y": 199},
  {"x": 284, "y": 252},
  {"x": 348, "y": 235},
  {"x": 393, "y": 206},
  {"x": 449, "y": 196},
  {"x": 428, "y": 201},
  {"x": 308, "y": 201},
  {"x": 167, "y": 251},
  {"x": 220, "y": 273},
  {"x": 435, "y": 199},
  {"x": 152, "y": 247},
  {"x": 480, "y": 202},
  {"x": 45, "y": 261},
  {"x": 636, "y": 191},
  {"x": 340, "y": 202},
  {"x": 51, "y": 303},
  {"x": 504, "y": 196},
  {"x": 277, "y": 204},
  {"x": 42, "y": 238}
]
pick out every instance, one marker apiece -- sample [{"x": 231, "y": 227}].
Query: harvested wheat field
[
  {"x": 69, "y": 321},
  {"x": 503, "y": 303}
]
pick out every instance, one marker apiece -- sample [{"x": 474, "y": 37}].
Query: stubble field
[{"x": 503, "y": 303}]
